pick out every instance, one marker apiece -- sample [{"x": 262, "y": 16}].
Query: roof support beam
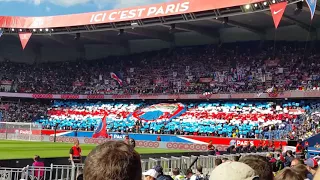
[
  {"x": 101, "y": 38},
  {"x": 167, "y": 37},
  {"x": 299, "y": 23},
  {"x": 242, "y": 26},
  {"x": 212, "y": 33}
]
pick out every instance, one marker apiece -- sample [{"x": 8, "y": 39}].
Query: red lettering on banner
[
  {"x": 42, "y": 96},
  {"x": 70, "y": 96},
  {"x": 97, "y": 96},
  {"x": 273, "y": 95}
]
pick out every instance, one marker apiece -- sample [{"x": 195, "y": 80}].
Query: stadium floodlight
[
  {"x": 255, "y": 5},
  {"x": 40, "y": 30},
  {"x": 247, "y": 6},
  {"x": 34, "y": 30},
  {"x": 47, "y": 29},
  {"x": 273, "y": 1},
  {"x": 12, "y": 29},
  {"x": 265, "y": 3},
  {"x": 20, "y": 30}
]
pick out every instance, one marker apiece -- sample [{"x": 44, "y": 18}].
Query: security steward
[{"x": 75, "y": 153}]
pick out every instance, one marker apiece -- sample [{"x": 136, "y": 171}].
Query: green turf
[{"x": 27, "y": 149}]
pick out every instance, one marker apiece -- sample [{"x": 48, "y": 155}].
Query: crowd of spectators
[
  {"x": 117, "y": 160},
  {"x": 228, "y": 68}
]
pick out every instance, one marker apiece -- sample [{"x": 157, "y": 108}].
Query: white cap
[{"x": 151, "y": 172}]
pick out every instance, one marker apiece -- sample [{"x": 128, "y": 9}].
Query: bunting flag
[
  {"x": 1, "y": 32},
  {"x": 24, "y": 38},
  {"x": 312, "y": 6},
  {"x": 115, "y": 77},
  {"x": 101, "y": 129},
  {"x": 277, "y": 11}
]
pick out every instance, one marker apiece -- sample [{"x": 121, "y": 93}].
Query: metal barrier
[{"x": 69, "y": 172}]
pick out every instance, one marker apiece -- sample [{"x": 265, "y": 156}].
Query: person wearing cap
[
  {"x": 312, "y": 166},
  {"x": 151, "y": 174},
  {"x": 233, "y": 171},
  {"x": 161, "y": 175}
]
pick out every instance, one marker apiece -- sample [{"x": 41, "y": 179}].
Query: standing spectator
[
  {"x": 38, "y": 173},
  {"x": 288, "y": 158},
  {"x": 75, "y": 152},
  {"x": 113, "y": 160}
]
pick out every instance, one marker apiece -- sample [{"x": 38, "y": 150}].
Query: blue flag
[
  {"x": 1, "y": 32},
  {"x": 312, "y": 6}
]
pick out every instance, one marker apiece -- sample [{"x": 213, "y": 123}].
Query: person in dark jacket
[{"x": 161, "y": 175}]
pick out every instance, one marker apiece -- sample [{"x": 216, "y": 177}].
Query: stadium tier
[
  {"x": 189, "y": 70},
  {"x": 227, "y": 119}
]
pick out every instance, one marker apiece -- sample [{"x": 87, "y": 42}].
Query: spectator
[
  {"x": 38, "y": 165},
  {"x": 236, "y": 158},
  {"x": 233, "y": 171},
  {"x": 288, "y": 158},
  {"x": 190, "y": 175},
  {"x": 260, "y": 164},
  {"x": 296, "y": 162},
  {"x": 176, "y": 174},
  {"x": 161, "y": 175},
  {"x": 225, "y": 160},
  {"x": 217, "y": 162},
  {"x": 79, "y": 174},
  {"x": 151, "y": 174},
  {"x": 302, "y": 170},
  {"x": 113, "y": 160},
  {"x": 288, "y": 174},
  {"x": 312, "y": 166}
]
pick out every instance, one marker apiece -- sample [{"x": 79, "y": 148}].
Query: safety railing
[{"x": 70, "y": 172}]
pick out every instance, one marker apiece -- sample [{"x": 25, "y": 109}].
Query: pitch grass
[{"x": 27, "y": 149}]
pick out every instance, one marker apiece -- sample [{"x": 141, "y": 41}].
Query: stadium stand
[{"x": 244, "y": 67}]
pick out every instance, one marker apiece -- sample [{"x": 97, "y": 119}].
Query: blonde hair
[
  {"x": 301, "y": 169},
  {"x": 288, "y": 174}
]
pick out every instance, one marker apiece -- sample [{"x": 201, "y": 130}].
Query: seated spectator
[
  {"x": 261, "y": 166},
  {"x": 113, "y": 160},
  {"x": 151, "y": 174},
  {"x": 190, "y": 175},
  {"x": 233, "y": 171},
  {"x": 161, "y": 175},
  {"x": 176, "y": 174},
  {"x": 312, "y": 166},
  {"x": 288, "y": 174}
]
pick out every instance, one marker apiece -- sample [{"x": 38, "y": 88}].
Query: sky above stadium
[{"x": 59, "y": 7}]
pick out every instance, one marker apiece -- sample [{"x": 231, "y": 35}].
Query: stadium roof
[{"x": 159, "y": 21}]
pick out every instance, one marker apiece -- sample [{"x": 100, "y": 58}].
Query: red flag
[
  {"x": 277, "y": 11},
  {"x": 101, "y": 129},
  {"x": 24, "y": 38},
  {"x": 115, "y": 77}
]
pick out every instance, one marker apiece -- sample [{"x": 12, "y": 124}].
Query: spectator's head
[
  {"x": 217, "y": 162},
  {"x": 76, "y": 143},
  {"x": 296, "y": 162},
  {"x": 301, "y": 169},
  {"x": 176, "y": 171},
  {"x": 236, "y": 158},
  {"x": 261, "y": 166},
  {"x": 312, "y": 165},
  {"x": 36, "y": 158},
  {"x": 113, "y": 160},
  {"x": 224, "y": 160},
  {"x": 199, "y": 169},
  {"x": 289, "y": 153},
  {"x": 151, "y": 174},
  {"x": 189, "y": 173},
  {"x": 132, "y": 142},
  {"x": 159, "y": 169},
  {"x": 288, "y": 174},
  {"x": 233, "y": 171}
]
